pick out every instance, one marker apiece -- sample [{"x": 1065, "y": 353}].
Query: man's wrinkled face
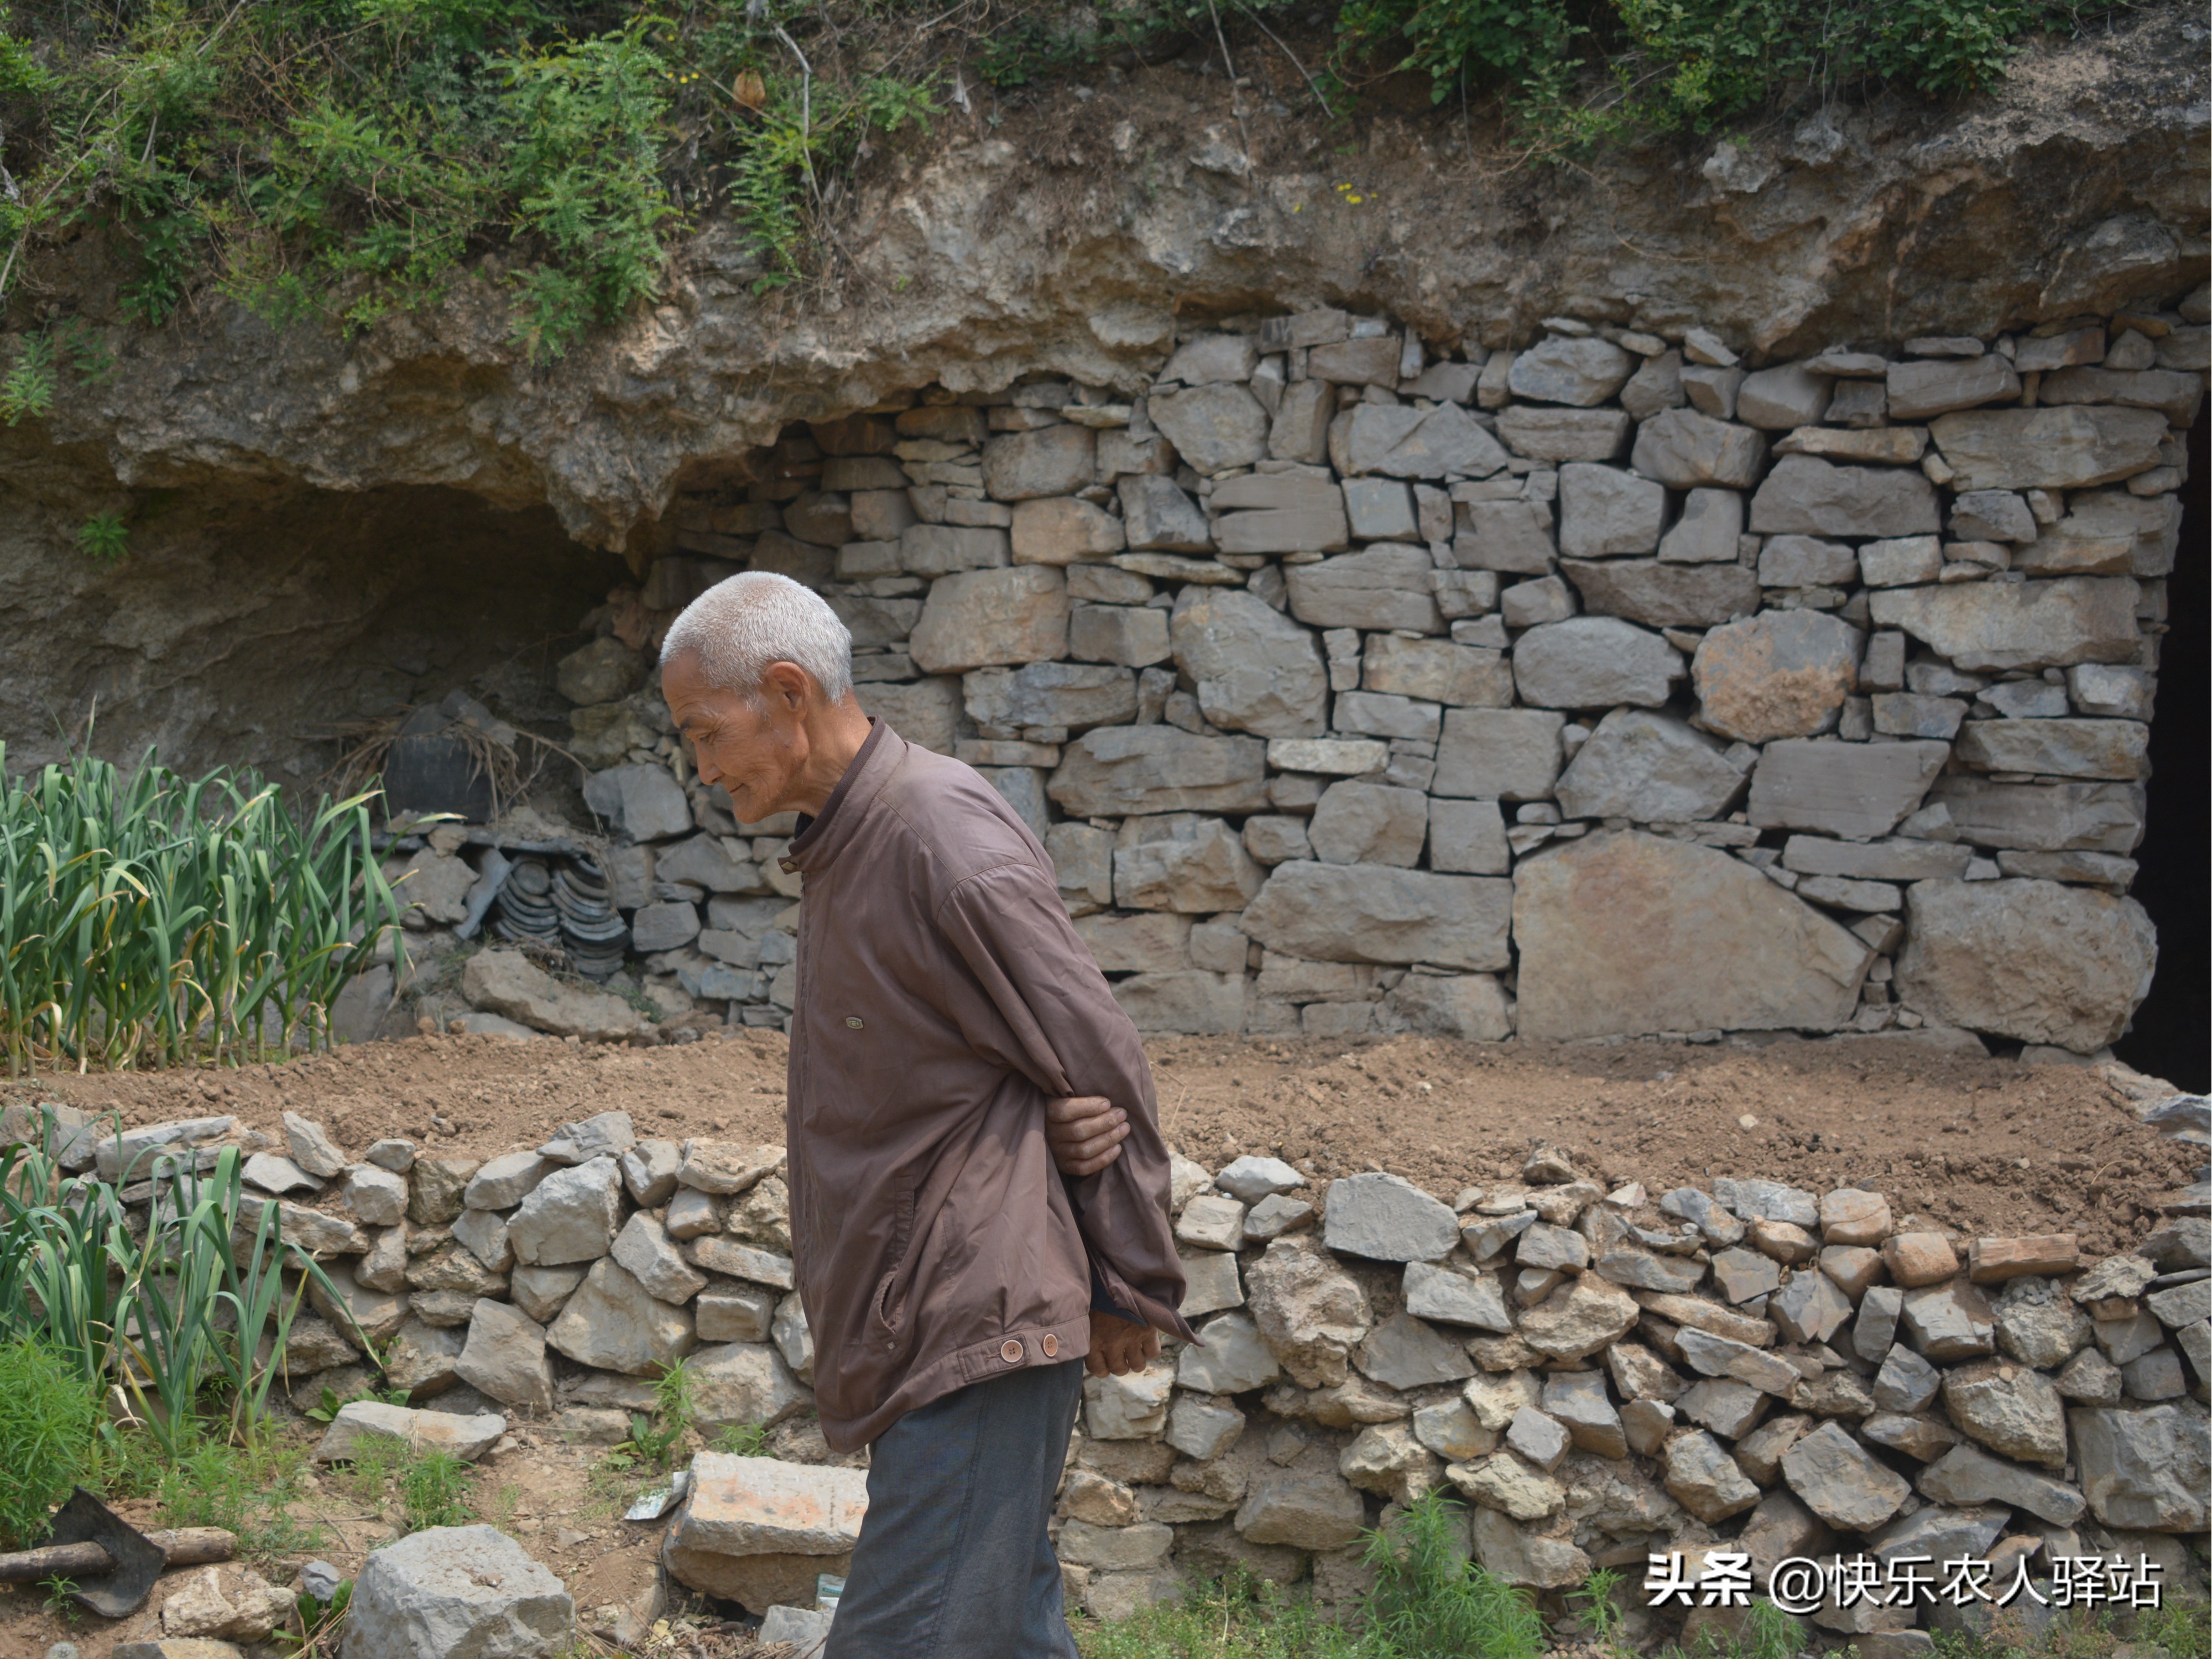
[{"x": 755, "y": 748}]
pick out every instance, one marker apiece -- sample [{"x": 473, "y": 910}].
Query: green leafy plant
[
  {"x": 1601, "y": 1616},
  {"x": 321, "y": 1621},
  {"x": 328, "y": 1404},
  {"x": 148, "y": 918},
  {"x": 1430, "y": 1599},
  {"x": 46, "y": 1416},
  {"x": 27, "y": 392},
  {"x": 58, "y": 1590},
  {"x": 742, "y": 1439},
  {"x": 434, "y": 1488},
  {"x": 104, "y": 537},
  {"x": 652, "y": 1440}
]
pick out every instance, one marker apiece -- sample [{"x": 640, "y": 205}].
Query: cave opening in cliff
[
  {"x": 256, "y": 625},
  {"x": 2170, "y": 1038}
]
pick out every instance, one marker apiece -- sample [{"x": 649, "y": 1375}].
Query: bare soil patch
[{"x": 1985, "y": 1146}]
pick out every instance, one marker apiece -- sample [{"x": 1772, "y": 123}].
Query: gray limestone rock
[
  {"x": 1388, "y": 1219},
  {"x": 1649, "y": 767},
  {"x": 2039, "y": 961},
  {"x": 1156, "y": 516},
  {"x": 1256, "y": 670},
  {"x": 1578, "y": 1321},
  {"x": 1052, "y": 460},
  {"x": 1381, "y": 588},
  {"x": 1233, "y": 1357},
  {"x": 1402, "y": 1352},
  {"x": 1498, "y": 754},
  {"x": 1905, "y": 1383},
  {"x": 1122, "y": 770},
  {"x": 1369, "y": 913},
  {"x": 1805, "y": 496},
  {"x": 504, "y": 1358},
  {"x": 2011, "y": 1409},
  {"x": 1998, "y": 626},
  {"x": 569, "y": 1216},
  {"x": 2147, "y": 1467},
  {"x": 1704, "y": 1479},
  {"x": 1563, "y": 369},
  {"x": 450, "y": 1591},
  {"x": 645, "y": 1250},
  {"x": 1310, "y": 1311},
  {"x": 1684, "y": 449},
  {"x": 1591, "y": 966},
  {"x": 2038, "y": 1325},
  {"x": 1840, "y": 1483},
  {"x": 1664, "y": 594},
  {"x": 1605, "y": 512},
  {"x": 607, "y": 1135},
  {"x": 2064, "y": 448},
  {"x": 1967, "y": 1475},
  {"x": 1309, "y": 1506},
  {"x": 1563, "y": 435},
  {"x": 1856, "y": 790},
  {"x": 610, "y": 1323},
  {"x": 977, "y": 618},
  {"x": 1948, "y": 1321},
  {"x": 1370, "y": 823},
  {"x": 1595, "y": 662},
  {"x": 1076, "y": 696}
]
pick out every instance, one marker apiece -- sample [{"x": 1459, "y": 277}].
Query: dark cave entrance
[{"x": 2172, "y": 1036}]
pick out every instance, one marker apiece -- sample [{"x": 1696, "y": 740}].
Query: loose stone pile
[
  {"x": 1600, "y": 1375},
  {"x": 1353, "y": 688}
]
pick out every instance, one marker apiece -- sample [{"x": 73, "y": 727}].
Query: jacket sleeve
[{"x": 1009, "y": 927}]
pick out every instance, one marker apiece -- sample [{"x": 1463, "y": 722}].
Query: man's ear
[{"x": 787, "y": 682}]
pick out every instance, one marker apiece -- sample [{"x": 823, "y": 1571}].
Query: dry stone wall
[
  {"x": 1598, "y": 1376},
  {"x": 1610, "y": 685}
]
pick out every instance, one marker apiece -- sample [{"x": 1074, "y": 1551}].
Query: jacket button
[
  {"x": 1011, "y": 1350},
  {"x": 853, "y": 1020},
  {"x": 789, "y": 867},
  {"x": 1051, "y": 1345}
]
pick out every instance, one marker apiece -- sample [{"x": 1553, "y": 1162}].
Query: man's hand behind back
[
  {"x": 1085, "y": 1133},
  {"x": 1119, "y": 1346}
]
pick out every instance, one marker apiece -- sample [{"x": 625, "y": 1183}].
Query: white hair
[{"x": 740, "y": 625}]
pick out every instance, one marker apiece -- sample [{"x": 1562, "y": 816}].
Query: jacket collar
[{"x": 838, "y": 821}]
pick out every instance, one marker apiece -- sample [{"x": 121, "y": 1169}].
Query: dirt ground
[
  {"x": 1982, "y": 1146},
  {"x": 1985, "y": 1146}
]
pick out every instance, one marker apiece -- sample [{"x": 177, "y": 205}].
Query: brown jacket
[{"x": 943, "y": 997}]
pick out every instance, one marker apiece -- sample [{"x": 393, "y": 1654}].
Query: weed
[
  {"x": 328, "y": 1405},
  {"x": 58, "y": 1591},
  {"x": 1601, "y": 1616},
  {"x": 2183, "y": 1629},
  {"x": 104, "y": 537},
  {"x": 1236, "y": 1619},
  {"x": 244, "y": 1488},
  {"x": 28, "y": 390},
  {"x": 433, "y": 1488},
  {"x": 320, "y": 1622},
  {"x": 742, "y": 1439},
  {"x": 46, "y": 1415}
]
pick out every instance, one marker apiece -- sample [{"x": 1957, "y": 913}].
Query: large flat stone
[
  {"x": 1212, "y": 426},
  {"x": 1583, "y": 371},
  {"x": 1256, "y": 671},
  {"x": 976, "y": 618},
  {"x": 924, "y": 711},
  {"x": 2006, "y": 625},
  {"x": 1684, "y": 449},
  {"x": 1779, "y": 674},
  {"x": 504, "y": 981},
  {"x": 1605, "y": 923},
  {"x": 1053, "y": 461},
  {"x": 1806, "y": 497},
  {"x": 1663, "y": 593},
  {"x": 1563, "y": 435},
  {"x": 1856, "y": 790},
  {"x": 2064, "y": 448},
  {"x": 2147, "y": 1470},
  {"x": 1498, "y": 754},
  {"x": 2094, "y": 817},
  {"x": 1649, "y": 767},
  {"x": 1594, "y": 662},
  {"x": 1379, "y": 589},
  {"x": 2058, "y": 748},
  {"x": 1077, "y": 695},
  {"x": 2037, "y": 960},
  {"x": 1605, "y": 511},
  {"x": 1366, "y": 913},
  {"x": 764, "y": 1506},
  {"x": 1119, "y": 770}
]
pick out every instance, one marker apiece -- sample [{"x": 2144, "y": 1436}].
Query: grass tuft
[{"x": 46, "y": 1414}]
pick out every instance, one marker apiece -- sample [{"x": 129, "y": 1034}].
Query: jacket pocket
[{"x": 888, "y": 1305}]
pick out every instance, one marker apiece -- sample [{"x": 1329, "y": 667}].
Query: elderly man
[{"x": 952, "y": 1038}]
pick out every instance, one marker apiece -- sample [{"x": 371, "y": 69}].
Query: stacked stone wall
[
  {"x": 1609, "y": 685},
  {"x": 1598, "y": 1376}
]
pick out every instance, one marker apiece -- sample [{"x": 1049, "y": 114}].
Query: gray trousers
[{"x": 953, "y": 1562}]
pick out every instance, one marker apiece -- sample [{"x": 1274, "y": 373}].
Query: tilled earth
[{"x": 1985, "y": 1146}]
